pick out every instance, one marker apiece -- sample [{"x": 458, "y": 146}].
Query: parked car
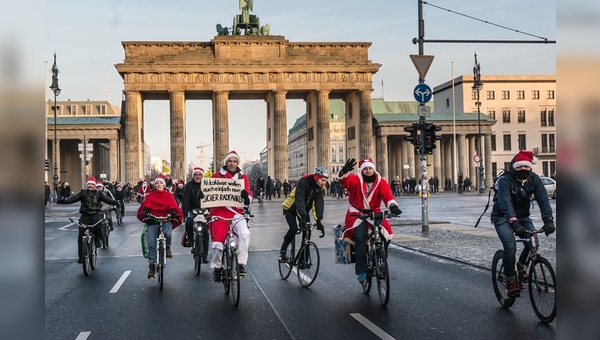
[{"x": 550, "y": 186}]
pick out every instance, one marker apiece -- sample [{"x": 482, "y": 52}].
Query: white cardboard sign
[{"x": 219, "y": 192}]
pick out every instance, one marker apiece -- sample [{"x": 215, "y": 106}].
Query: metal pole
[
  {"x": 423, "y": 159},
  {"x": 477, "y": 86}
]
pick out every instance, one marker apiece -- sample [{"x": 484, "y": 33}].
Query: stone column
[
  {"x": 473, "y": 175},
  {"x": 382, "y": 156},
  {"x": 437, "y": 161},
  {"x": 177, "y": 115},
  {"x": 323, "y": 141},
  {"x": 410, "y": 158},
  {"x": 462, "y": 151},
  {"x": 366, "y": 125},
  {"x": 448, "y": 170},
  {"x": 114, "y": 156},
  {"x": 280, "y": 137},
  {"x": 134, "y": 156},
  {"x": 399, "y": 149},
  {"x": 487, "y": 159},
  {"x": 405, "y": 147},
  {"x": 220, "y": 127}
]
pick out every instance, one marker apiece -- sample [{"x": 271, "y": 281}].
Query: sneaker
[
  {"x": 362, "y": 277},
  {"x": 242, "y": 270},
  {"x": 112, "y": 228},
  {"x": 98, "y": 243},
  {"x": 217, "y": 273},
  {"x": 204, "y": 259},
  {"x": 169, "y": 253},
  {"x": 282, "y": 257},
  {"x": 152, "y": 270},
  {"x": 513, "y": 289},
  {"x": 189, "y": 243}
]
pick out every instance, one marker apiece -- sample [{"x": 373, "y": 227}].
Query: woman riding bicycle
[
  {"x": 366, "y": 192},
  {"x": 510, "y": 213},
  {"x": 90, "y": 210},
  {"x": 307, "y": 194},
  {"x": 220, "y": 227},
  {"x": 160, "y": 203}
]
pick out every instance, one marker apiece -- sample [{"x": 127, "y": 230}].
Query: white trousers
[{"x": 242, "y": 240}]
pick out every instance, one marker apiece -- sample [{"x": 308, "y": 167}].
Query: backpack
[{"x": 498, "y": 176}]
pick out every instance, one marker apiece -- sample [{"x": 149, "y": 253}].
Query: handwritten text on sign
[{"x": 219, "y": 192}]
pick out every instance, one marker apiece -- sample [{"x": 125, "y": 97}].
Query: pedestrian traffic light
[
  {"x": 47, "y": 165},
  {"x": 430, "y": 137},
  {"x": 413, "y": 131}
]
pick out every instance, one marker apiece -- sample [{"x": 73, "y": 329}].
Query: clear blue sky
[{"x": 89, "y": 34}]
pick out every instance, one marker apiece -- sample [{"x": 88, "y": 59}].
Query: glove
[
  {"x": 144, "y": 213},
  {"x": 61, "y": 201},
  {"x": 174, "y": 213},
  {"x": 302, "y": 223},
  {"x": 349, "y": 166},
  {"x": 200, "y": 194},
  {"x": 518, "y": 229},
  {"x": 548, "y": 227},
  {"x": 321, "y": 228},
  {"x": 244, "y": 194},
  {"x": 395, "y": 210}
]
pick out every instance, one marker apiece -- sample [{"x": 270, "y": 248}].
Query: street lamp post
[
  {"x": 477, "y": 86},
  {"x": 56, "y": 90}
]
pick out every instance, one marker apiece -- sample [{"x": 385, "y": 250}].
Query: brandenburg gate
[{"x": 242, "y": 67}]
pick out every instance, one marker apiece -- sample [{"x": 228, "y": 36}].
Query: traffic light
[
  {"x": 429, "y": 131},
  {"x": 413, "y": 131},
  {"x": 47, "y": 165}
]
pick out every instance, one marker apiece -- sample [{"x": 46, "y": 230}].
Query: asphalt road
[{"x": 431, "y": 297}]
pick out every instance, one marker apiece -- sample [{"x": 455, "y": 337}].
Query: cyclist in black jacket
[
  {"x": 192, "y": 194},
  {"x": 90, "y": 210},
  {"x": 307, "y": 194},
  {"x": 510, "y": 213}
]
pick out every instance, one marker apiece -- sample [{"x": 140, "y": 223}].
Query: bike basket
[{"x": 344, "y": 251}]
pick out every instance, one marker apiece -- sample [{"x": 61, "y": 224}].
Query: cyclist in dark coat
[
  {"x": 307, "y": 194},
  {"x": 510, "y": 213},
  {"x": 192, "y": 194},
  {"x": 90, "y": 210}
]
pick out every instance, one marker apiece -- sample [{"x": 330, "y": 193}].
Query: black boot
[{"x": 152, "y": 270}]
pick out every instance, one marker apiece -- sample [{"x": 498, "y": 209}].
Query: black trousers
[
  {"x": 189, "y": 230},
  {"x": 88, "y": 220},
  {"x": 292, "y": 221}
]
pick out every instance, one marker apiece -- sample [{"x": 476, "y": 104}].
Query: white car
[{"x": 550, "y": 186}]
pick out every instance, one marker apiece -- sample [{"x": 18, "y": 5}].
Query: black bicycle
[
  {"x": 377, "y": 265},
  {"x": 537, "y": 273},
  {"x": 104, "y": 230},
  {"x": 118, "y": 213},
  {"x": 161, "y": 246},
  {"x": 200, "y": 223},
  {"x": 88, "y": 247},
  {"x": 306, "y": 260}
]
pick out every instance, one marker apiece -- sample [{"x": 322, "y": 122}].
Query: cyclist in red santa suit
[
  {"x": 219, "y": 227},
  {"x": 366, "y": 192}
]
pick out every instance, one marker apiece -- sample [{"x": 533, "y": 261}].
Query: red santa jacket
[
  {"x": 161, "y": 203},
  {"x": 359, "y": 201}
]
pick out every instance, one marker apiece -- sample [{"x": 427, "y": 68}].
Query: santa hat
[
  {"x": 198, "y": 169},
  {"x": 99, "y": 184},
  {"x": 160, "y": 178},
  {"x": 524, "y": 158},
  {"x": 231, "y": 154},
  {"x": 180, "y": 183},
  {"x": 91, "y": 180},
  {"x": 365, "y": 162}
]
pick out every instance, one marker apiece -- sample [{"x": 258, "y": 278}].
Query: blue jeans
[
  {"x": 153, "y": 235},
  {"x": 360, "y": 248},
  {"x": 507, "y": 237}
]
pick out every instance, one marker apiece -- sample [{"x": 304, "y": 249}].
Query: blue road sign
[{"x": 423, "y": 93}]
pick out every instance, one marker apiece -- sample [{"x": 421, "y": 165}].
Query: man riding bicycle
[
  {"x": 366, "y": 192},
  {"x": 90, "y": 210},
  {"x": 307, "y": 194},
  {"x": 220, "y": 227},
  {"x": 192, "y": 194},
  {"x": 510, "y": 213},
  {"x": 106, "y": 208}
]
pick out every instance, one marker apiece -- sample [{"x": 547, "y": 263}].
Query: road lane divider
[
  {"x": 83, "y": 335},
  {"x": 119, "y": 283},
  {"x": 66, "y": 226},
  {"x": 371, "y": 326}
]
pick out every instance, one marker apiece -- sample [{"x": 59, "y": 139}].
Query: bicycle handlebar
[
  {"x": 160, "y": 219},
  {"x": 374, "y": 215},
  {"x": 81, "y": 225}
]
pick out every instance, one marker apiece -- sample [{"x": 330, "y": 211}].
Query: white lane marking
[
  {"x": 119, "y": 283},
  {"x": 49, "y": 238},
  {"x": 66, "y": 226},
  {"x": 83, "y": 335},
  {"x": 304, "y": 277},
  {"x": 371, "y": 326}
]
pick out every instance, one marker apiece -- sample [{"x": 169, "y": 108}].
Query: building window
[
  {"x": 505, "y": 116},
  {"x": 551, "y": 117},
  {"x": 333, "y": 158},
  {"x": 535, "y": 94},
  {"x": 87, "y": 109},
  {"x": 492, "y": 113},
  {"x": 351, "y": 133},
  {"x": 520, "y": 94},
  {"x": 550, "y": 94},
  {"x": 101, "y": 109},
  {"x": 522, "y": 142},
  {"x": 491, "y": 95},
  {"x": 332, "y": 148},
  {"x": 521, "y": 116},
  {"x": 507, "y": 146},
  {"x": 552, "y": 169},
  {"x": 505, "y": 94},
  {"x": 551, "y": 145},
  {"x": 544, "y": 142},
  {"x": 493, "y": 143},
  {"x": 506, "y": 165},
  {"x": 341, "y": 148},
  {"x": 72, "y": 109},
  {"x": 447, "y": 102},
  {"x": 494, "y": 169},
  {"x": 543, "y": 117},
  {"x": 474, "y": 95}
]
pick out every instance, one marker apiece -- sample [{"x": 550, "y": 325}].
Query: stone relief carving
[
  {"x": 199, "y": 78},
  {"x": 287, "y": 78},
  {"x": 242, "y": 78},
  {"x": 168, "y": 77},
  {"x": 344, "y": 77},
  {"x": 214, "y": 78},
  {"x": 273, "y": 77},
  {"x": 302, "y": 77},
  {"x": 228, "y": 78},
  {"x": 259, "y": 77},
  {"x": 154, "y": 78},
  {"x": 331, "y": 77},
  {"x": 183, "y": 77}
]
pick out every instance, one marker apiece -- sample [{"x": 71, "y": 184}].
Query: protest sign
[{"x": 219, "y": 192}]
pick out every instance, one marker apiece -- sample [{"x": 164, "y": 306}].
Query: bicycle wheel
[
  {"x": 86, "y": 249},
  {"x": 119, "y": 217},
  {"x": 94, "y": 255},
  {"x": 260, "y": 201},
  {"x": 499, "y": 280},
  {"x": 198, "y": 253},
  {"x": 285, "y": 268},
  {"x": 542, "y": 289},
  {"x": 366, "y": 286},
  {"x": 383, "y": 276},
  {"x": 225, "y": 268},
  {"x": 234, "y": 279},
  {"x": 308, "y": 264},
  {"x": 161, "y": 263},
  {"x": 105, "y": 235}
]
